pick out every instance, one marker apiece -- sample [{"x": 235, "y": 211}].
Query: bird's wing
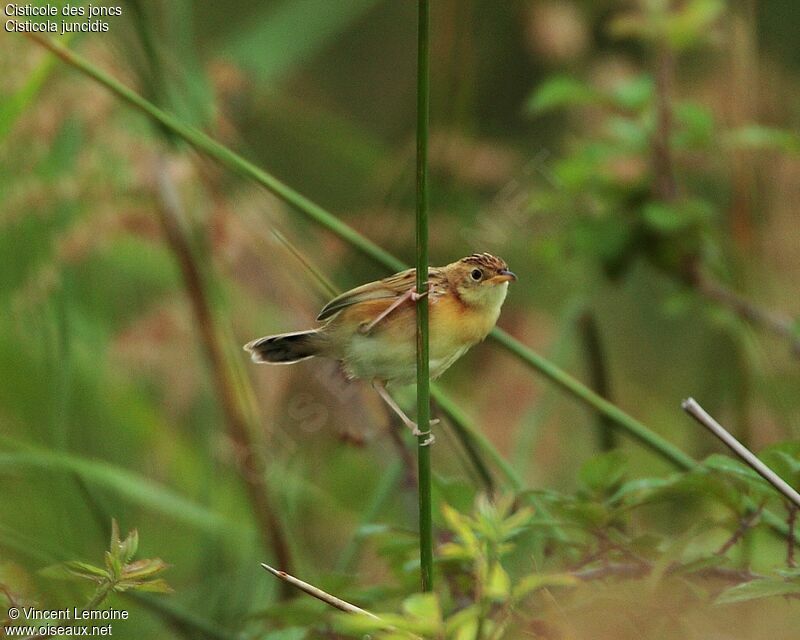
[{"x": 391, "y": 287}]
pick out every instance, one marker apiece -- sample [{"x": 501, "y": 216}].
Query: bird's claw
[
  {"x": 431, "y": 438},
  {"x": 428, "y": 441},
  {"x": 418, "y": 296}
]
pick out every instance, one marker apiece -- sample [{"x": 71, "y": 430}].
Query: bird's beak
[{"x": 504, "y": 275}]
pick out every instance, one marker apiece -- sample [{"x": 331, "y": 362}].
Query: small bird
[{"x": 371, "y": 330}]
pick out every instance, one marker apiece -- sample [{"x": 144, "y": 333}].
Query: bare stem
[
  {"x": 693, "y": 408},
  {"x": 318, "y": 593}
]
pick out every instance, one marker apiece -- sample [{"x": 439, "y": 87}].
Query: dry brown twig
[
  {"x": 319, "y": 594},
  {"x": 744, "y": 526}
]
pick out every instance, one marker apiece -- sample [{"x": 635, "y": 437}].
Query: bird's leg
[
  {"x": 411, "y": 294},
  {"x": 384, "y": 394}
]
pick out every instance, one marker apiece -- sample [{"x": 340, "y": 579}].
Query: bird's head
[{"x": 481, "y": 279}]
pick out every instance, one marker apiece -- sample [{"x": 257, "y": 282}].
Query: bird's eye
[{"x": 476, "y": 274}]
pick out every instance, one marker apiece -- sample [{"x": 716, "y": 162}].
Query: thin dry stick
[
  {"x": 693, "y": 408},
  {"x": 231, "y": 399},
  {"x": 318, "y": 593}
]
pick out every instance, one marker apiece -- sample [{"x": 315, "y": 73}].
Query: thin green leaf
[
  {"x": 535, "y": 581},
  {"x": 757, "y": 589},
  {"x": 137, "y": 489}
]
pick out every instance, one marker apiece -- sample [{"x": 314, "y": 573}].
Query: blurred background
[{"x": 635, "y": 163}]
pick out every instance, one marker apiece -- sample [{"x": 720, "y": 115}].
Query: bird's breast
[{"x": 388, "y": 351}]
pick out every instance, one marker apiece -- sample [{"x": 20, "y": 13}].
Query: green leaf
[
  {"x": 463, "y": 625},
  {"x": 114, "y": 564},
  {"x": 630, "y": 134},
  {"x": 143, "y": 569},
  {"x": 696, "y": 126},
  {"x": 782, "y": 458},
  {"x": 461, "y": 526},
  {"x": 755, "y": 589},
  {"x": 640, "y": 490},
  {"x": 738, "y": 470},
  {"x": 73, "y": 569},
  {"x": 114, "y": 543},
  {"x": 159, "y": 585},
  {"x": 130, "y": 545},
  {"x": 423, "y": 606},
  {"x": 603, "y": 472},
  {"x": 691, "y": 24},
  {"x": 669, "y": 218},
  {"x": 86, "y": 570},
  {"x": 535, "y": 581},
  {"x": 700, "y": 564},
  {"x": 516, "y": 523},
  {"x": 455, "y": 551},
  {"x": 358, "y": 624},
  {"x": 561, "y": 91},
  {"x": 498, "y": 585},
  {"x": 634, "y": 94}
]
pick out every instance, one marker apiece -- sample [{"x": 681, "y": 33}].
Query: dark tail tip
[{"x": 285, "y": 348}]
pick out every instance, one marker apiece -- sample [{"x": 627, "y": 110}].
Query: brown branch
[
  {"x": 777, "y": 323},
  {"x": 239, "y": 417},
  {"x": 744, "y": 526},
  {"x": 635, "y": 570}
]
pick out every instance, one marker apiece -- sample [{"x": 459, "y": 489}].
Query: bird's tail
[{"x": 285, "y": 348}]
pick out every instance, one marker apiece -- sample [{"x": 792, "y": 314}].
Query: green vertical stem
[{"x": 423, "y": 374}]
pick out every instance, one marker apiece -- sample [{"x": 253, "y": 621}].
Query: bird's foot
[
  {"x": 384, "y": 394},
  {"x": 416, "y": 431}
]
